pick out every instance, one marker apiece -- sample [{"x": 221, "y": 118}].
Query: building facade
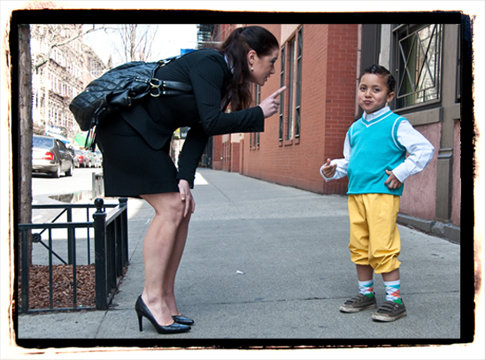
[
  {"x": 320, "y": 64},
  {"x": 62, "y": 66}
]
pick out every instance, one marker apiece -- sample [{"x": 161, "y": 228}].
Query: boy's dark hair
[{"x": 381, "y": 70}]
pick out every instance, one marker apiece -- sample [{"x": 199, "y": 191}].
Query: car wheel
[
  {"x": 70, "y": 170},
  {"x": 57, "y": 173}
]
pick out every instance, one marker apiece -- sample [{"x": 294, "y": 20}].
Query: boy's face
[{"x": 373, "y": 93}]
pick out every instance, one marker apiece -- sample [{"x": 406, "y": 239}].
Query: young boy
[{"x": 376, "y": 165}]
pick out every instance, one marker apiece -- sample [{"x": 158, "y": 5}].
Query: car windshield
[{"x": 42, "y": 142}]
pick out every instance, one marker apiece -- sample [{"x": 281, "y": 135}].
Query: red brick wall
[
  {"x": 419, "y": 189},
  {"x": 235, "y": 157},
  {"x": 217, "y": 153},
  {"x": 327, "y": 108},
  {"x": 456, "y": 196},
  {"x": 222, "y": 151},
  {"x": 226, "y": 154},
  {"x": 231, "y": 154},
  {"x": 341, "y": 88}
]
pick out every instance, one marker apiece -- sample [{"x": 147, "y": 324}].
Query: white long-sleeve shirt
[{"x": 419, "y": 149}]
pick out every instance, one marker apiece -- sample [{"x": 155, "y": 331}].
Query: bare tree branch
[
  {"x": 136, "y": 41},
  {"x": 53, "y": 43}
]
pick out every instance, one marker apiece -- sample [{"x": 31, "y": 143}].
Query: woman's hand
[
  {"x": 186, "y": 197},
  {"x": 271, "y": 104},
  {"x": 392, "y": 181}
]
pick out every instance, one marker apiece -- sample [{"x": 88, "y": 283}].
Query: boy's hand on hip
[{"x": 392, "y": 182}]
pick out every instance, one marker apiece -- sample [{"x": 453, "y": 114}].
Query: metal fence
[{"x": 110, "y": 249}]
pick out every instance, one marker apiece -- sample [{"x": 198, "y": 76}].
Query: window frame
[
  {"x": 254, "y": 137},
  {"x": 298, "y": 81},
  {"x": 291, "y": 75},
  {"x": 289, "y": 133},
  {"x": 282, "y": 98},
  {"x": 412, "y": 76}
]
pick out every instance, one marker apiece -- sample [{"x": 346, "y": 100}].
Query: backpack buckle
[
  {"x": 155, "y": 87},
  {"x": 155, "y": 83}
]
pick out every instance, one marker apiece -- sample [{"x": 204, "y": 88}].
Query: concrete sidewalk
[{"x": 265, "y": 261}]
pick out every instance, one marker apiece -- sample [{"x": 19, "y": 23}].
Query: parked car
[
  {"x": 50, "y": 155},
  {"x": 91, "y": 160},
  {"x": 74, "y": 157},
  {"x": 82, "y": 160},
  {"x": 85, "y": 158},
  {"x": 98, "y": 162}
]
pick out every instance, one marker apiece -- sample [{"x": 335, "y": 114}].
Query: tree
[
  {"x": 56, "y": 36},
  {"x": 24, "y": 175},
  {"x": 136, "y": 41}
]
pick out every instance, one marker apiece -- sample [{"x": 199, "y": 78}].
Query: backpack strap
[{"x": 167, "y": 87}]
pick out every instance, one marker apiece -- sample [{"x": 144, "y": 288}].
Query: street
[
  {"x": 81, "y": 180},
  {"x": 66, "y": 189},
  {"x": 265, "y": 261},
  {"x": 46, "y": 190}
]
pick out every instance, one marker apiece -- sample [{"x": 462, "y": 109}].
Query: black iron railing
[{"x": 110, "y": 250}]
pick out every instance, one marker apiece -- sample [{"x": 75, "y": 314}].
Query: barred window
[
  {"x": 282, "y": 98},
  {"x": 299, "y": 53},
  {"x": 458, "y": 68},
  {"x": 254, "y": 138},
  {"x": 418, "y": 60},
  {"x": 291, "y": 76}
]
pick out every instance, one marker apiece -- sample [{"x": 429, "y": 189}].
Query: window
[
  {"x": 291, "y": 76},
  {"x": 418, "y": 60},
  {"x": 254, "y": 137},
  {"x": 258, "y": 100},
  {"x": 458, "y": 68},
  {"x": 290, "y": 90},
  {"x": 299, "y": 53},
  {"x": 282, "y": 83}
]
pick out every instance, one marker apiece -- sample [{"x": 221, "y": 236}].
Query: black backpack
[{"x": 119, "y": 88}]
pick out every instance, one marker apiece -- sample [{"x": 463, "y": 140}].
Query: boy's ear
[{"x": 390, "y": 96}]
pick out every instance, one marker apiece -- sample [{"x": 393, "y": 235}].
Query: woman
[{"x": 136, "y": 151}]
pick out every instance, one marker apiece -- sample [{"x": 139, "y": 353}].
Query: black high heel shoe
[
  {"x": 142, "y": 310},
  {"x": 183, "y": 320}
]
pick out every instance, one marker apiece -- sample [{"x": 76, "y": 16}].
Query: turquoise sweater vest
[{"x": 374, "y": 149}]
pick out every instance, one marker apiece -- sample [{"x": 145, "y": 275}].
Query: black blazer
[{"x": 155, "y": 119}]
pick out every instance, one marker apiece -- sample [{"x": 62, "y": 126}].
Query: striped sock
[
  {"x": 367, "y": 288},
  {"x": 393, "y": 291}
]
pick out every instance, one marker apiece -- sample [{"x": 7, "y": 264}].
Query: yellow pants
[{"x": 374, "y": 237}]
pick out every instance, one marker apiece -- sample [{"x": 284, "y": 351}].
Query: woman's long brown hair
[{"x": 236, "y": 48}]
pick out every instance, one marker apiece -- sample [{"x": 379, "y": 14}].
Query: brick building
[
  {"x": 287, "y": 152},
  {"x": 320, "y": 65}
]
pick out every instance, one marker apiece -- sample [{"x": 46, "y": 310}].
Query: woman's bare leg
[
  {"x": 177, "y": 252},
  {"x": 159, "y": 248}
]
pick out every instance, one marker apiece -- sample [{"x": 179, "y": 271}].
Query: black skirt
[{"x": 130, "y": 166}]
